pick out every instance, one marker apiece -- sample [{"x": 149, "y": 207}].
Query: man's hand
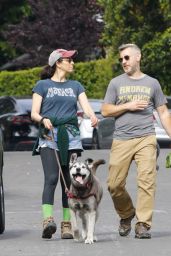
[{"x": 137, "y": 105}]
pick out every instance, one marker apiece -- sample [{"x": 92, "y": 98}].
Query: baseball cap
[{"x": 60, "y": 53}]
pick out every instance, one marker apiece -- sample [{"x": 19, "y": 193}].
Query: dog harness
[{"x": 89, "y": 189}]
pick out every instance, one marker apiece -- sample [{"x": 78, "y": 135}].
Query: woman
[{"x": 55, "y": 108}]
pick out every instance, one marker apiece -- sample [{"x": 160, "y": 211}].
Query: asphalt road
[{"x": 23, "y": 181}]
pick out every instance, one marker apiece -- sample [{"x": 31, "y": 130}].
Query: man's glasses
[{"x": 126, "y": 57}]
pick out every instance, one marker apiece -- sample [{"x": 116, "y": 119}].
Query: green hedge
[
  {"x": 18, "y": 83},
  {"x": 94, "y": 76}
]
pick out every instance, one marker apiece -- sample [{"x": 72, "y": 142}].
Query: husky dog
[{"x": 84, "y": 197}]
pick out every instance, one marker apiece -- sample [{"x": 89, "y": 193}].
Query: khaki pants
[{"x": 143, "y": 151}]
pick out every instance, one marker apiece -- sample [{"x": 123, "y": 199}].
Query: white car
[
  {"x": 86, "y": 130},
  {"x": 161, "y": 135}
]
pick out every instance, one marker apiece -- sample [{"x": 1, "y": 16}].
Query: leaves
[
  {"x": 146, "y": 23},
  {"x": 132, "y": 21},
  {"x": 56, "y": 24}
]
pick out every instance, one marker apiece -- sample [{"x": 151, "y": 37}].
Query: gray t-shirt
[
  {"x": 59, "y": 98},
  {"x": 123, "y": 89}
]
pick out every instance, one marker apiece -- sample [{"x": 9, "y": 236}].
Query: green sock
[
  {"x": 66, "y": 214},
  {"x": 47, "y": 210}
]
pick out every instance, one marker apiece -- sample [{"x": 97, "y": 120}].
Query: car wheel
[
  {"x": 2, "y": 208},
  {"x": 95, "y": 141},
  {"x": 158, "y": 149}
]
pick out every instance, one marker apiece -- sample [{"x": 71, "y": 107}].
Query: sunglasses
[
  {"x": 126, "y": 57},
  {"x": 69, "y": 60}
]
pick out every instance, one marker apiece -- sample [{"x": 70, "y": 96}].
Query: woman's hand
[
  {"x": 48, "y": 125},
  {"x": 94, "y": 120},
  {"x": 88, "y": 109}
]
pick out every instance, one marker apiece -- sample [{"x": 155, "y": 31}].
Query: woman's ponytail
[{"x": 48, "y": 72}]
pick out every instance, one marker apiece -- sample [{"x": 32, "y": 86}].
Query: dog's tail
[{"x": 94, "y": 164}]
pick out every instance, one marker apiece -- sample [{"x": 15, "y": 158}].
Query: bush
[
  {"x": 18, "y": 83},
  {"x": 93, "y": 75}
]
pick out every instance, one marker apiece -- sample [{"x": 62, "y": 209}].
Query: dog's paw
[
  {"x": 76, "y": 236},
  {"x": 76, "y": 240},
  {"x": 84, "y": 234},
  {"x": 95, "y": 238},
  {"x": 89, "y": 241}
]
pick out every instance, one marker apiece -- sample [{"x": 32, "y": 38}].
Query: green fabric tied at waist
[
  {"x": 168, "y": 160},
  {"x": 62, "y": 135}
]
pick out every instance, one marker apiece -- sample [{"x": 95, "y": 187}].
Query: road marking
[
  {"x": 7, "y": 212},
  {"x": 161, "y": 211}
]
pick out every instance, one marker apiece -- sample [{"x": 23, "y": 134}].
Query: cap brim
[{"x": 69, "y": 54}]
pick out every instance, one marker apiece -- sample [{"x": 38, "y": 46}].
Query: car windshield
[
  {"x": 96, "y": 105},
  {"x": 24, "y": 105}
]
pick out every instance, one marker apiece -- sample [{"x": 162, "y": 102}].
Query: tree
[
  {"x": 146, "y": 23},
  {"x": 131, "y": 21},
  {"x": 156, "y": 59},
  {"x": 11, "y": 12},
  {"x": 56, "y": 24}
]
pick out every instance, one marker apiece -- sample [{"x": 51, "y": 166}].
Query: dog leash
[{"x": 60, "y": 169}]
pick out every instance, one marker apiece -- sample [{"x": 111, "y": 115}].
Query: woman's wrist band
[{"x": 41, "y": 120}]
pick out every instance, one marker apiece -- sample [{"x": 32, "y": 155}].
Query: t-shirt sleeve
[
  {"x": 80, "y": 89},
  {"x": 110, "y": 96},
  {"x": 39, "y": 88},
  {"x": 159, "y": 97}
]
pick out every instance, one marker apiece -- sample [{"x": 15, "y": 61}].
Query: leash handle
[{"x": 60, "y": 169}]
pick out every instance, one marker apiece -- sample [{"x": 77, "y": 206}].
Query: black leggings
[{"x": 51, "y": 175}]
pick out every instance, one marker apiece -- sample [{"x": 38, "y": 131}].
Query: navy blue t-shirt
[{"x": 59, "y": 98}]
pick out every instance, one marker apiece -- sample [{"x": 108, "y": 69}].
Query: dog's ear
[
  {"x": 89, "y": 163},
  {"x": 96, "y": 164},
  {"x": 73, "y": 159}
]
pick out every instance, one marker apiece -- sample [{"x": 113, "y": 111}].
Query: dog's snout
[{"x": 78, "y": 169}]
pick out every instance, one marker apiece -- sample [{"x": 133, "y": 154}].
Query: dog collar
[{"x": 71, "y": 195}]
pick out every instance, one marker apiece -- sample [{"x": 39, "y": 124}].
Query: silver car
[{"x": 103, "y": 133}]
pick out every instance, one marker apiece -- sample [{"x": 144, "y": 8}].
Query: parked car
[
  {"x": 86, "y": 130},
  {"x": 80, "y": 114},
  {"x": 19, "y": 132},
  {"x": 103, "y": 133},
  {"x": 2, "y": 207},
  {"x": 161, "y": 135}
]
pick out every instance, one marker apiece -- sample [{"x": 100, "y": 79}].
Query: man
[{"x": 131, "y": 98}]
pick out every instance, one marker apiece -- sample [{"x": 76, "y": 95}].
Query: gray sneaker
[
  {"x": 66, "y": 230},
  {"x": 141, "y": 231},
  {"x": 49, "y": 228},
  {"x": 125, "y": 226}
]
